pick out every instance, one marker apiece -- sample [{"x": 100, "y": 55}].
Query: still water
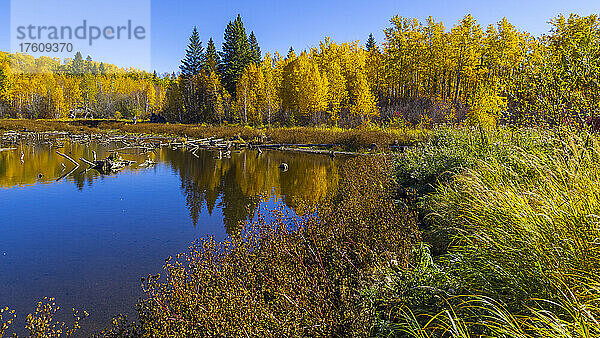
[{"x": 87, "y": 239}]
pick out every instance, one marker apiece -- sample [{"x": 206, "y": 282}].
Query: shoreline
[{"x": 354, "y": 140}]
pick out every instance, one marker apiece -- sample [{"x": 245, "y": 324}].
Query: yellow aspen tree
[
  {"x": 312, "y": 88},
  {"x": 466, "y": 52},
  {"x": 485, "y": 106},
  {"x": 364, "y": 102},
  {"x": 271, "y": 101},
  {"x": 248, "y": 91},
  {"x": 5, "y": 82},
  {"x": 330, "y": 59},
  {"x": 216, "y": 96},
  {"x": 289, "y": 87},
  {"x": 150, "y": 94}
]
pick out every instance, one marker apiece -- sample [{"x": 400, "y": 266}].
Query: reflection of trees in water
[
  {"x": 236, "y": 185},
  {"x": 206, "y": 180},
  {"x": 306, "y": 183},
  {"x": 41, "y": 163},
  {"x": 240, "y": 183}
]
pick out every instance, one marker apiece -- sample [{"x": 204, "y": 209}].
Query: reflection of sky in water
[{"x": 87, "y": 240}]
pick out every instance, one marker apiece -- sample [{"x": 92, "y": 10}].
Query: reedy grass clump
[
  {"x": 523, "y": 240},
  {"x": 474, "y": 316},
  {"x": 528, "y": 223}
]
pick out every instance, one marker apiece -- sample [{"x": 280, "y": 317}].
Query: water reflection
[
  {"x": 236, "y": 185},
  {"x": 28, "y": 164}
]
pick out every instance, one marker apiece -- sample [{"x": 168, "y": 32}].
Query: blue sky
[{"x": 302, "y": 24}]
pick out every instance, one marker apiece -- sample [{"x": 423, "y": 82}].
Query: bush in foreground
[{"x": 292, "y": 277}]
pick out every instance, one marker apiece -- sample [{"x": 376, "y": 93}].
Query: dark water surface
[{"x": 87, "y": 239}]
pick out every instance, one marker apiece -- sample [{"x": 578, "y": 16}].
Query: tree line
[
  {"x": 421, "y": 73},
  {"x": 49, "y": 88}
]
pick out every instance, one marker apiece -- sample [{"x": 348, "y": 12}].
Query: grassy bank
[
  {"x": 512, "y": 220},
  {"x": 345, "y": 139}
]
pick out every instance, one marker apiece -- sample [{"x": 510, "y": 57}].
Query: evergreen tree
[
  {"x": 78, "y": 66},
  {"x": 371, "y": 44},
  {"x": 89, "y": 65},
  {"x": 255, "y": 55},
  {"x": 235, "y": 54},
  {"x": 291, "y": 53},
  {"x": 102, "y": 69},
  {"x": 194, "y": 56},
  {"x": 212, "y": 57}
]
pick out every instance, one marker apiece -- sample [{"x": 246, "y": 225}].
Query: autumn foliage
[{"x": 423, "y": 73}]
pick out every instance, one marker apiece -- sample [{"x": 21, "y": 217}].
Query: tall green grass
[
  {"x": 523, "y": 240},
  {"x": 527, "y": 223}
]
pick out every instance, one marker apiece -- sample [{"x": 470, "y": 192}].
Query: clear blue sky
[{"x": 279, "y": 24}]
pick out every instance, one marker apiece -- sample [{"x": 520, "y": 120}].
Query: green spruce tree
[
  {"x": 235, "y": 55},
  {"x": 291, "y": 53},
  {"x": 102, "y": 69},
  {"x": 89, "y": 65},
  {"x": 78, "y": 65},
  {"x": 371, "y": 44},
  {"x": 255, "y": 55},
  {"x": 194, "y": 56},
  {"x": 212, "y": 57}
]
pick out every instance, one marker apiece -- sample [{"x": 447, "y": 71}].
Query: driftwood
[
  {"x": 328, "y": 145},
  {"x": 149, "y": 143},
  {"x": 108, "y": 165},
  {"x": 147, "y": 163},
  {"x": 68, "y": 158},
  {"x": 330, "y": 153},
  {"x": 87, "y": 162},
  {"x": 67, "y": 174},
  {"x": 72, "y": 170}
]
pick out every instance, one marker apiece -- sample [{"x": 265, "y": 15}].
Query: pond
[{"x": 86, "y": 239}]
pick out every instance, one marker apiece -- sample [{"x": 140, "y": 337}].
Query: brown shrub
[{"x": 291, "y": 277}]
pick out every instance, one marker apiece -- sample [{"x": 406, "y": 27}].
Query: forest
[{"x": 421, "y": 74}]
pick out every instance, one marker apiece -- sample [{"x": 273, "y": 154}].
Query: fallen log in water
[
  {"x": 327, "y": 145},
  {"x": 72, "y": 170},
  {"x": 108, "y": 165},
  {"x": 68, "y": 158}
]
